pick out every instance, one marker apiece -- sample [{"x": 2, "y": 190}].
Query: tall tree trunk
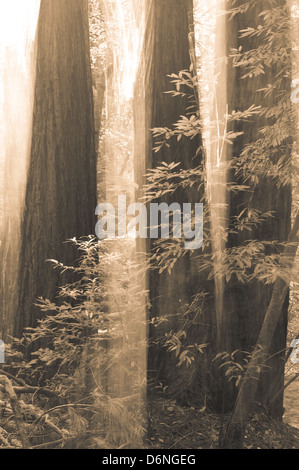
[
  {"x": 166, "y": 51},
  {"x": 61, "y": 189},
  {"x": 235, "y": 430},
  {"x": 17, "y": 76},
  {"x": 246, "y": 305}
]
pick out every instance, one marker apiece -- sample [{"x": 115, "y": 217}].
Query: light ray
[{"x": 18, "y": 25}]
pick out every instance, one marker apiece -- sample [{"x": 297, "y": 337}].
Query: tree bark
[
  {"x": 167, "y": 51},
  {"x": 246, "y": 305},
  {"x": 61, "y": 188},
  {"x": 236, "y": 428}
]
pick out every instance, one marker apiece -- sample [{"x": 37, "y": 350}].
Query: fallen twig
[
  {"x": 17, "y": 412},
  {"x": 36, "y": 390},
  {"x": 24, "y": 388},
  {"x": 48, "y": 444},
  {"x": 3, "y": 439},
  {"x": 12, "y": 377}
]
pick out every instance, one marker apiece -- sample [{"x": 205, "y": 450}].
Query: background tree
[
  {"x": 61, "y": 189},
  {"x": 235, "y": 430},
  {"x": 260, "y": 74},
  {"x": 168, "y": 44},
  {"x": 257, "y": 228}
]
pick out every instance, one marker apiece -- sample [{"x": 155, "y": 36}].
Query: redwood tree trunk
[
  {"x": 236, "y": 427},
  {"x": 166, "y": 51},
  {"x": 61, "y": 189},
  {"x": 246, "y": 305}
]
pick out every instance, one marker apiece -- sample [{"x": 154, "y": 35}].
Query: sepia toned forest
[{"x": 149, "y": 226}]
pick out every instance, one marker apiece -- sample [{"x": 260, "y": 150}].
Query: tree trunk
[
  {"x": 236, "y": 428},
  {"x": 246, "y": 305},
  {"x": 61, "y": 188},
  {"x": 166, "y": 51}
]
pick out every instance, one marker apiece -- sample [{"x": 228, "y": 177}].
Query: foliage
[
  {"x": 257, "y": 160},
  {"x": 177, "y": 342},
  {"x": 67, "y": 357},
  {"x": 272, "y": 156},
  {"x": 59, "y": 368},
  {"x": 97, "y": 35},
  {"x": 235, "y": 365}
]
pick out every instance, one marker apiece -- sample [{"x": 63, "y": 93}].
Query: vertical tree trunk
[
  {"x": 246, "y": 305},
  {"x": 235, "y": 430},
  {"x": 166, "y": 51},
  {"x": 61, "y": 189},
  {"x": 17, "y": 76}
]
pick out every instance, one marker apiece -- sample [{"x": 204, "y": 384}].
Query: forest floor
[
  {"x": 176, "y": 427},
  {"x": 171, "y": 426},
  {"x": 291, "y": 394}
]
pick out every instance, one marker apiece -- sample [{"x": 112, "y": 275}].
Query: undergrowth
[{"x": 77, "y": 373}]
